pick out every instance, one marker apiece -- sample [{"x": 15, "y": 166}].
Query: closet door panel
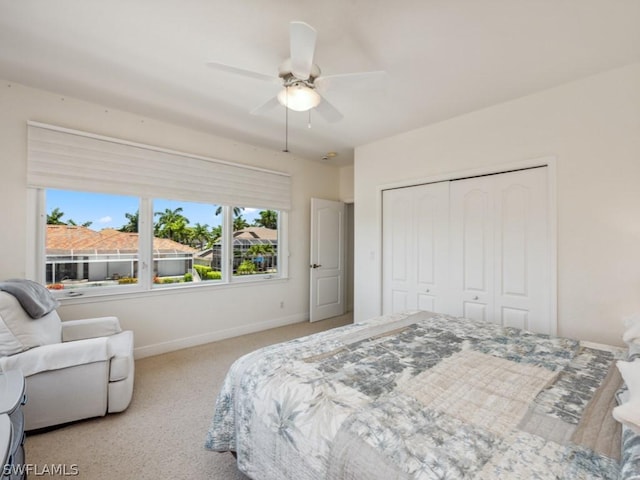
[
  {"x": 522, "y": 277},
  {"x": 471, "y": 220},
  {"x": 428, "y": 302},
  {"x": 431, "y": 207},
  {"x": 415, "y": 246},
  {"x": 514, "y": 248},
  {"x": 475, "y": 310},
  {"x": 514, "y": 317},
  {"x": 401, "y": 242},
  {"x": 399, "y": 279},
  {"x": 400, "y": 301},
  {"x": 476, "y": 233}
]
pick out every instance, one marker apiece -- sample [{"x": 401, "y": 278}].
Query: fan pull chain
[{"x": 309, "y": 124}]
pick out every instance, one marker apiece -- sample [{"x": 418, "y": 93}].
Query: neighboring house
[
  {"x": 259, "y": 244},
  {"x": 76, "y": 253}
]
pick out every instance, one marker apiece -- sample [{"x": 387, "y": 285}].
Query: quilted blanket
[{"x": 422, "y": 396}]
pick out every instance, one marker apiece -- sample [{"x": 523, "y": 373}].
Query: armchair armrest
[
  {"x": 90, "y": 328},
  {"x": 57, "y": 356}
]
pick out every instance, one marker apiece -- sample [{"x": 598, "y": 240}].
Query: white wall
[
  {"x": 166, "y": 321},
  {"x": 346, "y": 183},
  {"x": 592, "y": 127}
]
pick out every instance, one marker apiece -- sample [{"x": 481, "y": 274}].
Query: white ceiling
[{"x": 443, "y": 58}]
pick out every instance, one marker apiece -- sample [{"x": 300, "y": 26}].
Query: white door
[
  {"x": 415, "y": 245},
  {"x": 327, "y": 259},
  {"x": 472, "y": 280},
  {"x": 500, "y": 250},
  {"x": 522, "y": 277},
  {"x": 398, "y": 278}
]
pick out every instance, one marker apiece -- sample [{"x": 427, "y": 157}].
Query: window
[
  {"x": 150, "y": 218},
  {"x": 94, "y": 240},
  {"x": 184, "y": 235},
  {"x": 91, "y": 240},
  {"x": 255, "y": 242}
]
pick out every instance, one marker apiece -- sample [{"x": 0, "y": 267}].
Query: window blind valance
[{"x": 73, "y": 160}]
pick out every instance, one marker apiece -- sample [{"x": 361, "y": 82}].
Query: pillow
[
  {"x": 19, "y": 332},
  {"x": 629, "y": 412},
  {"x": 632, "y": 329}
]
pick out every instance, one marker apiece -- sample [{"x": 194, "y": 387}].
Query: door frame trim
[{"x": 552, "y": 215}]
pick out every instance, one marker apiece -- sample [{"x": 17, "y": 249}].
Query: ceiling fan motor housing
[{"x": 284, "y": 72}]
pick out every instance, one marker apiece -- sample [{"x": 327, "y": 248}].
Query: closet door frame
[{"x": 549, "y": 162}]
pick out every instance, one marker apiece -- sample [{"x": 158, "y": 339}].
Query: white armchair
[{"x": 73, "y": 370}]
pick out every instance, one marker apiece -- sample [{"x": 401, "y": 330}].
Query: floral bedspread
[{"x": 422, "y": 396}]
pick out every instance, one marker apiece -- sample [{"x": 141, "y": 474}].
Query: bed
[{"x": 421, "y": 395}]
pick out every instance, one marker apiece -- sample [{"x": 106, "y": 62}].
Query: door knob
[
  {"x": 475, "y": 298},
  {"x": 315, "y": 265}
]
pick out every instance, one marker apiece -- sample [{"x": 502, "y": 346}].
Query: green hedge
[
  {"x": 207, "y": 273},
  {"x": 247, "y": 267}
]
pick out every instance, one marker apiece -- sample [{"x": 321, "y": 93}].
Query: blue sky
[{"x": 108, "y": 211}]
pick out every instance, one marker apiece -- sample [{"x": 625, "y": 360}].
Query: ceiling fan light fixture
[{"x": 299, "y": 97}]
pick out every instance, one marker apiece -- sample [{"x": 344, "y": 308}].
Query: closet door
[
  {"x": 522, "y": 277},
  {"x": 415, "y": 246},
  {"x": 398, "y": 276},
  {"x": 472, "y": 229},
  {"x": 431, "y": 220},
  {"x": 499, "y": 249}
]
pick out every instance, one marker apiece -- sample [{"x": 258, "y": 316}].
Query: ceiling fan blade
[
  {"x": 266, "y": 106},
  {"x": 302, "y": 48},
  {"x": 328, "y": 111},
  {"x": 241, "y": 71},
  {"x": 359, "y": 80}
]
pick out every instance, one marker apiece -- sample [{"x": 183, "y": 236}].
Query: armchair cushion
[
  {"x": 57, "y": 356},
  {"x": 90, "y": 328},
  {"x": 19, "y": 332}
]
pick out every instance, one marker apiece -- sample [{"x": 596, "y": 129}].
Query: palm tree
[
  {"x": 268, "y": 219},
  {"x": 216, "y": 233},
  {"x": 132, "y": 226},
  {"x": 236, "y": 210},
  {"x": 85, "y": 224},
  {"x": 171, "y": 224},
  {"x": 239, "y": 223},
  {"x": 259, "y": 249},
  {"x": 54, "y": 217},
  {"x": 200, "y": 233}
]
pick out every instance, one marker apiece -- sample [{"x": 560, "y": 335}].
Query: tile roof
[
  {"x": 64, "y": 238},
  {"x": 262, "y": 233}
]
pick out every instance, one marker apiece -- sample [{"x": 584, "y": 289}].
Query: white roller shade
[{"x": 72, "y": 160}]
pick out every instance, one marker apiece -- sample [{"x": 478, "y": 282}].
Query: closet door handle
[{"x": 475, "y": 298}]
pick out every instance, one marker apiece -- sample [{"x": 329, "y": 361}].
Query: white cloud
[{"x": 106, "y": 219}]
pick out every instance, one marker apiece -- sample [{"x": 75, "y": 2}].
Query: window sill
[{"x": 106, "y": 296}]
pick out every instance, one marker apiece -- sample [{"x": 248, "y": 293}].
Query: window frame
[{"x": 36, "y": 264}]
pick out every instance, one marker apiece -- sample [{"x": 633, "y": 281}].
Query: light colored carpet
[{"x": 162, "y": 433}]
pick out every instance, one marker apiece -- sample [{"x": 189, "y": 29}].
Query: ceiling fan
[{"x": 300, "y": 77}]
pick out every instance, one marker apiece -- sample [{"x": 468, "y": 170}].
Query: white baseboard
[{"x": 180, "y": 343}]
